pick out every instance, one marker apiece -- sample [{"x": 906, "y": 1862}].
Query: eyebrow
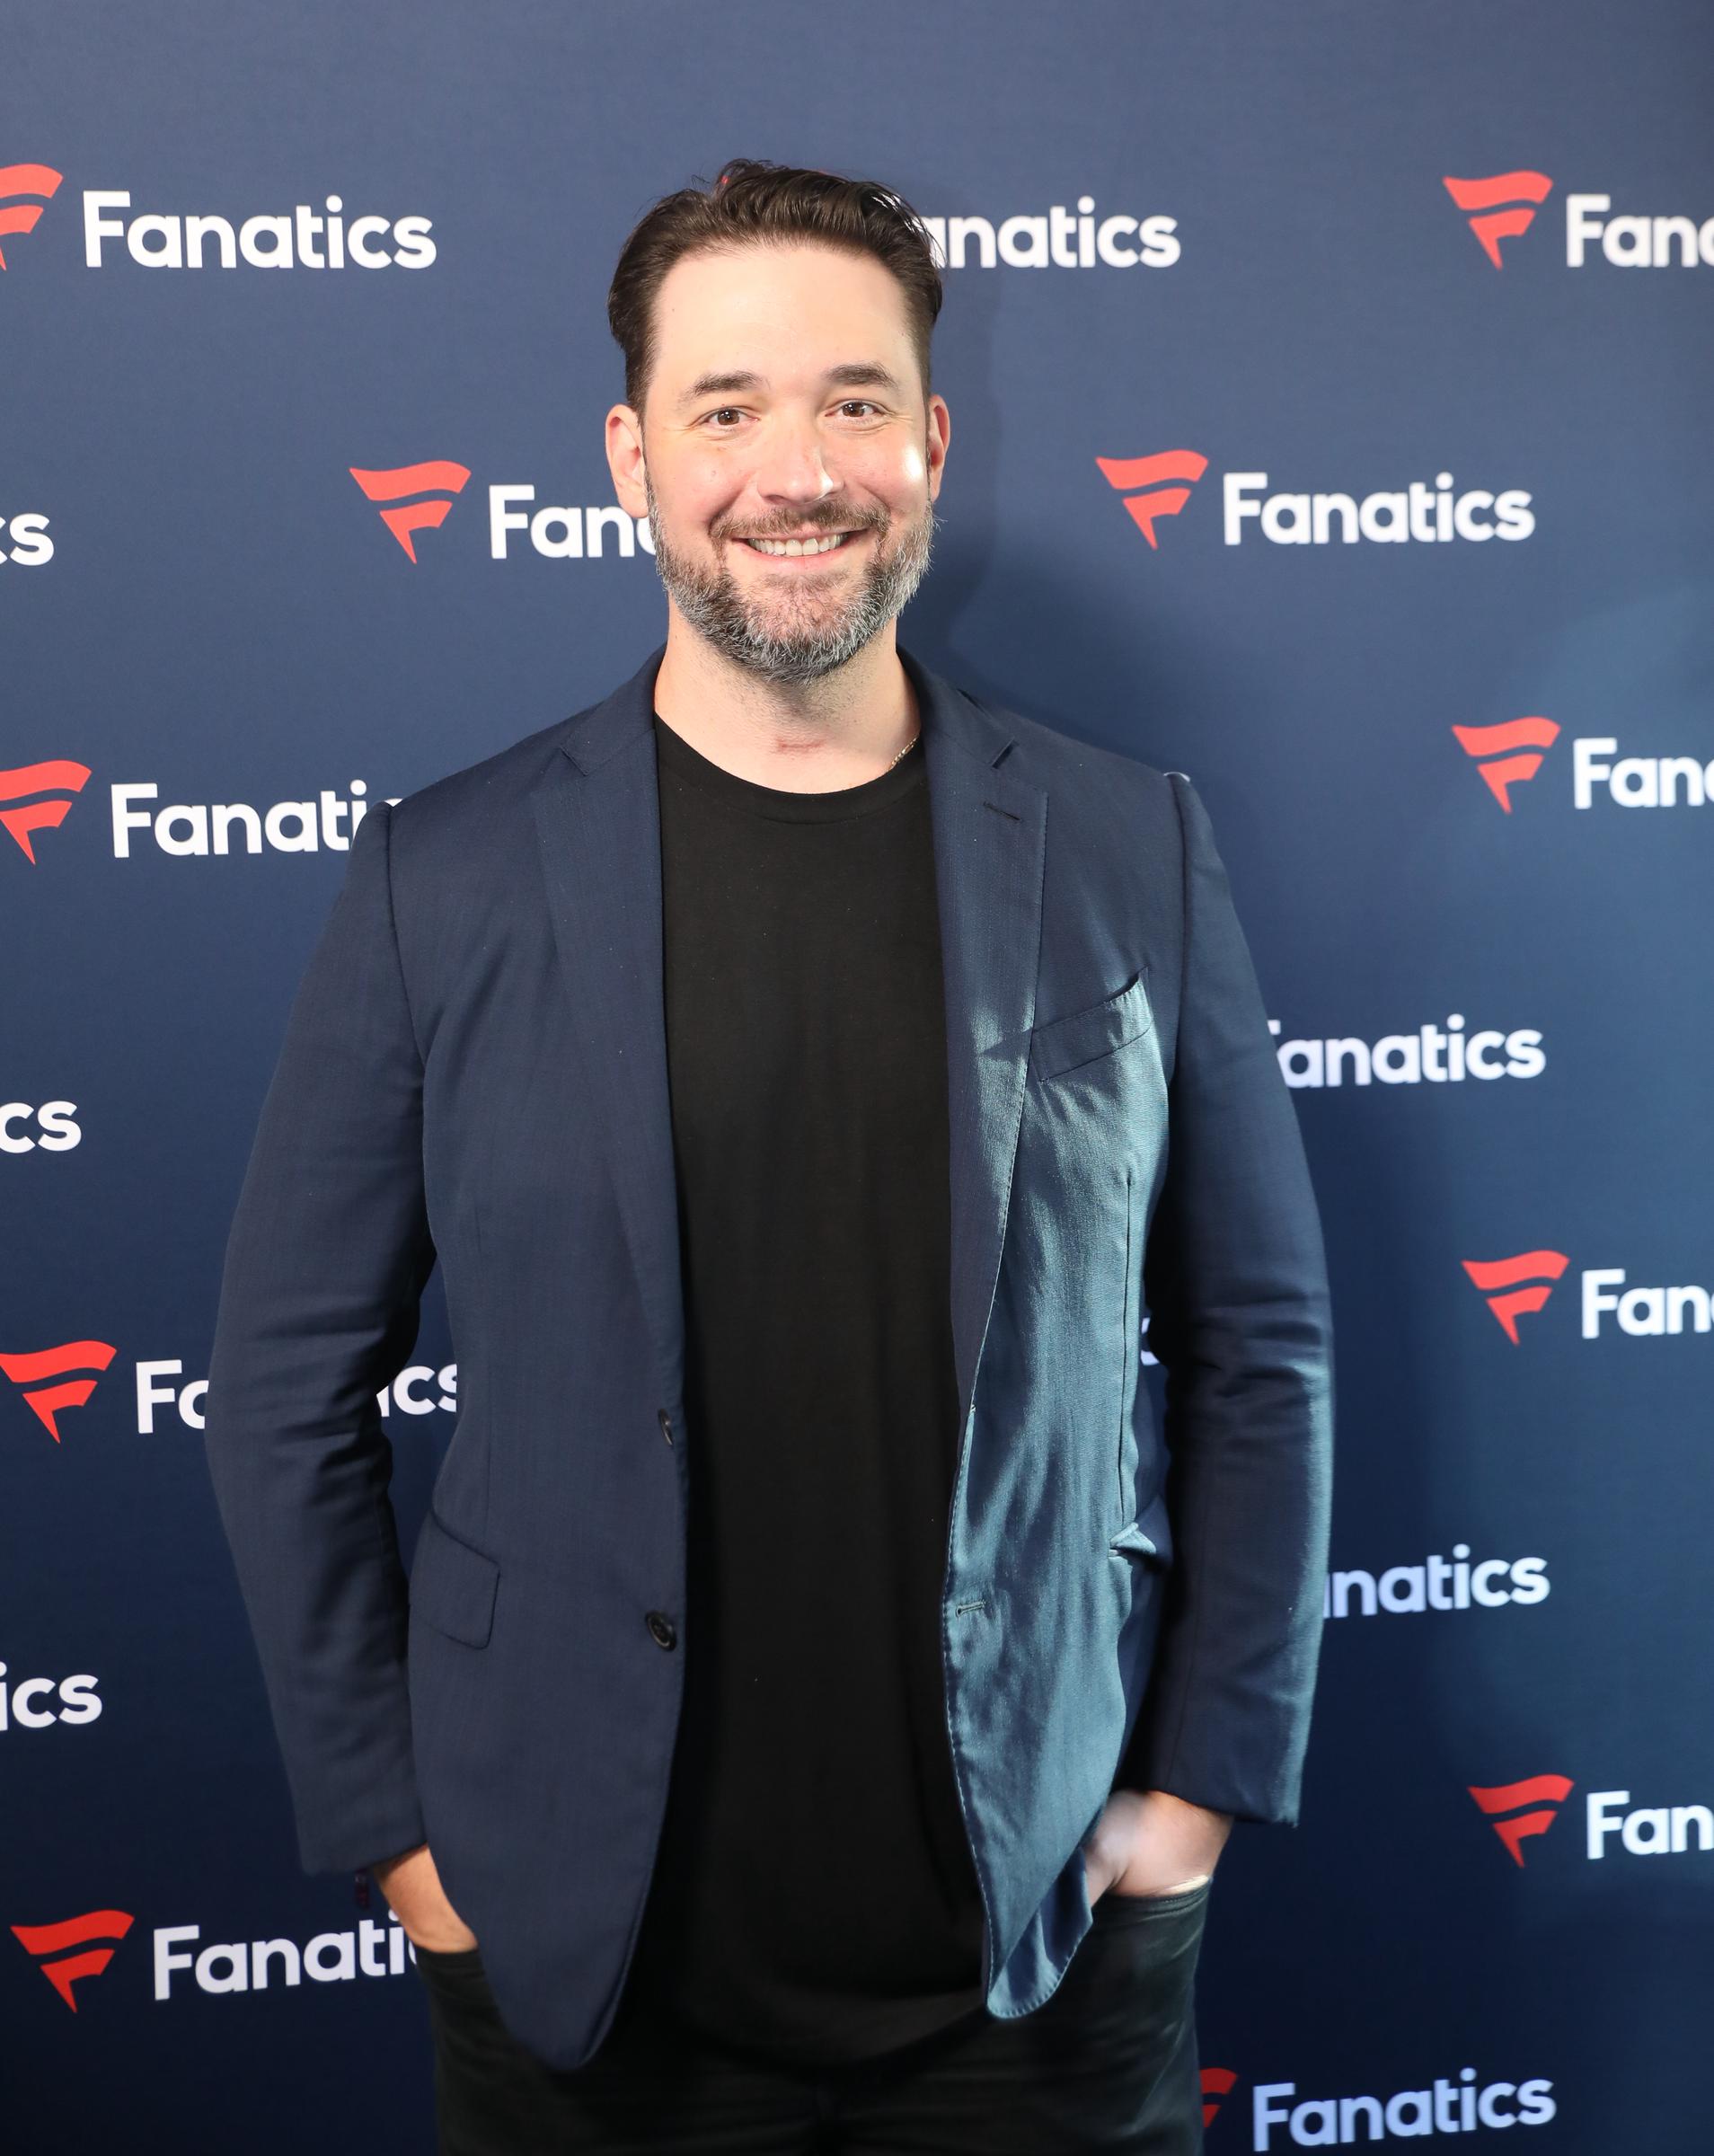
[{"x": 852, "y": 374}]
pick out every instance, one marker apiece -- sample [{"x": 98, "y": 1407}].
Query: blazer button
[
  {"x": 661, "y": 1626},
  {"x": 666, "y": 1426}
]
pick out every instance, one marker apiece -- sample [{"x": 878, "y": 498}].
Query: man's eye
[{"x": 732, "y": 411}]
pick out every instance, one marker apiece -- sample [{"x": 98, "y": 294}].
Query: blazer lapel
[
  {"x": 598, "y": 826},
  {"x": 990, "y": 843},
  {"x": 597, "y": 819}
]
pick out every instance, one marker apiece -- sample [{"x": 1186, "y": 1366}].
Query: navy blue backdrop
[{"x": 1332, "y": 422}]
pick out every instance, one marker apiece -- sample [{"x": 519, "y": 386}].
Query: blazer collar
[{"x": 604, "y": 729}]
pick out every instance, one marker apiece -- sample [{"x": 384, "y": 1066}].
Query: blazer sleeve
[
  {"x": 325, "y": 1264},
  {"x": 1235, "y": 1280}
]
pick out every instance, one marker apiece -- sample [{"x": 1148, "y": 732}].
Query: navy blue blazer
[{"x": 474, "y": 1073}]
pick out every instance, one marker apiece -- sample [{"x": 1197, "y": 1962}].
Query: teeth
[{"x": 790, "y": 547}]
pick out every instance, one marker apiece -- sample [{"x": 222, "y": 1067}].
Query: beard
[{"x": 781, "y": 635}]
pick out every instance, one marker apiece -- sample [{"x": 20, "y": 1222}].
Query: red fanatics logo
[
  {"x": 1541, "y": 1268},
  {"x": 1217, "y": 2083},
  {"x": 1509, "y": 754},
  {"x": 1157, "y": 474},
  {"x": 16, "y": 179},
  {"x": 35, "y": 1372},
  {"x": 60, "y": 779},
  {"x": 1531, "y": 1807},
  {"x": 437, "y": 480},
  {"x": 1504, "y": 205},
  {"x": 60, "y": 1940}
]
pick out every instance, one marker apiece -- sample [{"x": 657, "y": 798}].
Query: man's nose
[{"x": 791, "y": 463}]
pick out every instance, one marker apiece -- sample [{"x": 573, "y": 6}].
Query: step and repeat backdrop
[{"x": 1332, "y": 420}]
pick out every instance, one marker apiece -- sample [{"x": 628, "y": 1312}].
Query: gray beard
[{"x": 717, "y": 609}]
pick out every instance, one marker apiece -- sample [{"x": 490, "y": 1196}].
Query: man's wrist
[
  {"x": 1189, "y": 1804},
  {"x": 384, "y": 1864}
]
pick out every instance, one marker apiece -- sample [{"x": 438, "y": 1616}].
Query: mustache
[{"x": 845, "y": 521}]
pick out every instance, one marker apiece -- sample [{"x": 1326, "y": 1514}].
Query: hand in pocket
[
  {"x": 1148, "y": 1842},
  {"x": 416, "y": 1896}
]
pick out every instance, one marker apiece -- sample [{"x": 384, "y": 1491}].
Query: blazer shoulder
[
  {"x": 447, "y": 836},
  {"x": 1085, "y": 772},
  {"x": 462, "y": 799}
]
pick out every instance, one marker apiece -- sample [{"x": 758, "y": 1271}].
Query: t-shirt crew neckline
[{"x": 780, "y": 804}]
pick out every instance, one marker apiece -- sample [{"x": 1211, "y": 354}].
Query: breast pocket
[
  {"x": 1084, "y": 1037},
  {"x": 453, "y": 1585}
]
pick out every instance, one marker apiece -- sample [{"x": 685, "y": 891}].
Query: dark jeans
[{"x": 1110, "y": 2063}]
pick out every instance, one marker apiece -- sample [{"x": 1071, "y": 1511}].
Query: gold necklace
[{"x": 911, "y": 744}]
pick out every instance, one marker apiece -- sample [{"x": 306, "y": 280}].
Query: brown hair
[{"x": 752, "y": 203}]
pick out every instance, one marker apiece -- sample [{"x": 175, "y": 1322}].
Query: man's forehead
[{"x": 784, "y": 320}]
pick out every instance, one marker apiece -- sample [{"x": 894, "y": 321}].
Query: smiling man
[{"x": 821, "y": 1695}]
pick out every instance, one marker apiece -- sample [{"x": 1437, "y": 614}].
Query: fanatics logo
[
  {"x": 1058, "y": 241},
  {"x": 1418, "y": 513},
  {"x": 1532, "y": 1806},
  {"x": 1156, "y": 473},
  {"x": 40, "y": 1940},
  {"x": 1542, "y": 1267},
  {"x": 1505, "y": 206},
  {"x": 437, "y": 480},
  {"x": 1217, "y": 2083},
  {"x": 1445, "y": 2106},
  {"x": 1408, "y": 1590},
  {"x": 303, "y": 239},
  {"x": 33, "y": 1371},
  {"x": 168, "y": 240},
  {"x": 1431, "y": 1055},
  {"x": 59, "y": 777},
  {"x": 23, "y": 180},
  {"x": 1509, "y": 754}
]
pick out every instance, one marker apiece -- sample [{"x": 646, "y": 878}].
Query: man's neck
[{"x": 813, "y": 736}]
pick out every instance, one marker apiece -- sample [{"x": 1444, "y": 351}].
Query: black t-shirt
[{"x": 814, "y": 1892}]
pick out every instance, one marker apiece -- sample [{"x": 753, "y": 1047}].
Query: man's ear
[{"x": 624, "y": 444}]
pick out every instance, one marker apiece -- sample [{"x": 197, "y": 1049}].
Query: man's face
[{"x": 785, "y": 402}]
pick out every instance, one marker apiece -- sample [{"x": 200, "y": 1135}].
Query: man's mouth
[{"x": 796, "y": 549}]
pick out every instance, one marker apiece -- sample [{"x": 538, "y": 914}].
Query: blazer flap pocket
[
  {"x": 1063, "y": 1043},
  {"x": 1149, "y": 1536},
  {"x": 453, "y": 1585}
]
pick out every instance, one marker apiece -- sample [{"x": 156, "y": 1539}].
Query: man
[{"x": 821, "y": 1694}]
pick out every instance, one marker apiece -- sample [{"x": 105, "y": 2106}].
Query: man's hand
[
  {"x": 414, "y": 1892},
  {"x": 1146, "y": 1842}
]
